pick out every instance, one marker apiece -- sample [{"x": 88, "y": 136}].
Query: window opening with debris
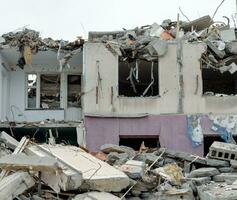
[
  {"x": 138, "y": 78},
  {"x": 31, "y": 90},
  {"x": 135, "y": 141},
  {"x": 74, "y": 90},
  {"x": 216, "y": 83},
  {"x": 43, "y": 91},
  {"x": 50, "y": 91}
]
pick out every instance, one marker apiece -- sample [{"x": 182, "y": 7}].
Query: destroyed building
[
  {"x": 171, "y": 85},
  {"x": 168, "y": 91}
]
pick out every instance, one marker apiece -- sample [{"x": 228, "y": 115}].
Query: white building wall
[
  {"x": 4, "y": 91},
  {"x": 192, "y": 101},
  {"x": 18, "y": 111}
]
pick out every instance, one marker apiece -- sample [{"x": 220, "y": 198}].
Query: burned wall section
[{"x": 138, "y": 79}]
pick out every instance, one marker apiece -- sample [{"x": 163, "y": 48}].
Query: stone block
[
  {"x": 204, "y": 172},
  {"x": 133, "y": 168},
  {"x": 225, "y": 177}
]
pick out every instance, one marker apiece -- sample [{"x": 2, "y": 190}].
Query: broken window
[
  {"x": 135, "y": 141},
  {"x": 219, "y": 83},
  {"x": 31, "y": 90},
  {"x": 43, "y": 91},
  {"x": 138, "y": 78},
  {"x": 50, "y": 91},
  {"x": 74, "y": 90}
]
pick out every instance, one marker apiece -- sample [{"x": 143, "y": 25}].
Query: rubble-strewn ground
[{"x": 32, "y": 171}]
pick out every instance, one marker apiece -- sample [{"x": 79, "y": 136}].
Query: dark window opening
[
  {"x": 151, "y": 141},
  {"x": 74, "y": 90},
  {"x": 31, "y": 90},
  {"x": 217, "y": 83},
  {"x": 138, "y": 78},
  {"x": 50, "y": 91}
]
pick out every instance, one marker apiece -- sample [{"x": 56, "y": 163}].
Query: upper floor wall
[{"x": 180, "y": 86}]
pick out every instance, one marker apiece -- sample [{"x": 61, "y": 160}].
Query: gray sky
[{"x": 70, "y": 18}]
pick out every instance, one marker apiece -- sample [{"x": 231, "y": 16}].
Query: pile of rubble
[
  {"x": 151, "y": 42},
  {"x": 32, "y": 171},
  {"x": 29, "y": 42}
]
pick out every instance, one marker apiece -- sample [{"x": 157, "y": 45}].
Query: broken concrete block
[
  {"x": 115, "y": 158},
  {"x": 15, "y": 184},
  {"x": 176, "y": 194},
  {"x": 231, "y": 47},
  {"x": 134, "y": 169},
  {"x": 225, "y": 177},
  {"x": 96, "y": 196},
  {"x": 233, "y": 68},
  {"x": 69, "y": 179},
  {"x": 214, "y": 191},
  {"x": 8, "y": 140},
  {"x": 32, "y": 163},
  {"x": 233, "y": 164},
  {"x": 215, "y": 49},
  {"x": 223, "y": 151},
  {"x": 157, "y": 47},
  {"x": 225, "y": 169},
  {"x": 228, "y": 34},
  {"x": 200, "y": 180},
  {"x": 108, "y": 148},
  {"x": 204, "y": 172},
  {"x": 193, "y": 158},
  {"x": 97, "y": 175},
  {"x": 198, "y": 24},
  {"x": 149, "y": 158}
]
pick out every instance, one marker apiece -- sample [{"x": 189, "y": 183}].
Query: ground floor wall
[{"x": 177, "y": 132}]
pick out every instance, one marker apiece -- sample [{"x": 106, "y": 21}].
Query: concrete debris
[
  {"x": 134, "y": 169},
  {"x": 74, "y": 173},
  {"x": 223, "y": 151},
  {"x": 216, "y": 191},
  {"x": 204, "y": 172},
  {"x": 29, "y": 42},
  {"x": 31, "y": 163},
  {"x": 95, "y": 196},
  {"x": 15, "y": 184}
]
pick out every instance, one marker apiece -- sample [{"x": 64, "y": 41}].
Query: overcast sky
[{"x": 66, "y": 19}]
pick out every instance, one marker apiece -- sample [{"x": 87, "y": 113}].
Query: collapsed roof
[
  {"x": 151, "y": 42},
  {"x": 29, "y": 42}
]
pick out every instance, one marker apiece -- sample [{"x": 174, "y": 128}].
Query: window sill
[
  {"x": 39, "y": 109},
  {"x": 151, "y": 97}
]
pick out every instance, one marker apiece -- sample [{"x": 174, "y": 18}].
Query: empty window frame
[
  {"x": 31, "y": 91},
  {"x": 138, "y": 79},
  {"x": 43, "y": 91},
  {"x": 217, "y": 83},
  {"x": 74, "y": 90},
  {"x": 50, "y": 91}
]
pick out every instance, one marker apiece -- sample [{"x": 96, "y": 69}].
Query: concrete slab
[
  {"x": 32, "y": 163},
  {"x": 97, "y": 175},
  {"x": 225, "y": 177},
  {"x": 216, "y": 191},
  {"x": 96, "y": 196},
  {"x": 15, "y": 184},
  {"x": 204, "y": 172}
]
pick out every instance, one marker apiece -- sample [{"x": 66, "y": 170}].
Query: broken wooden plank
[
  {"x": 32, "y": 163},
  {"x": 15, "y": 184}
]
